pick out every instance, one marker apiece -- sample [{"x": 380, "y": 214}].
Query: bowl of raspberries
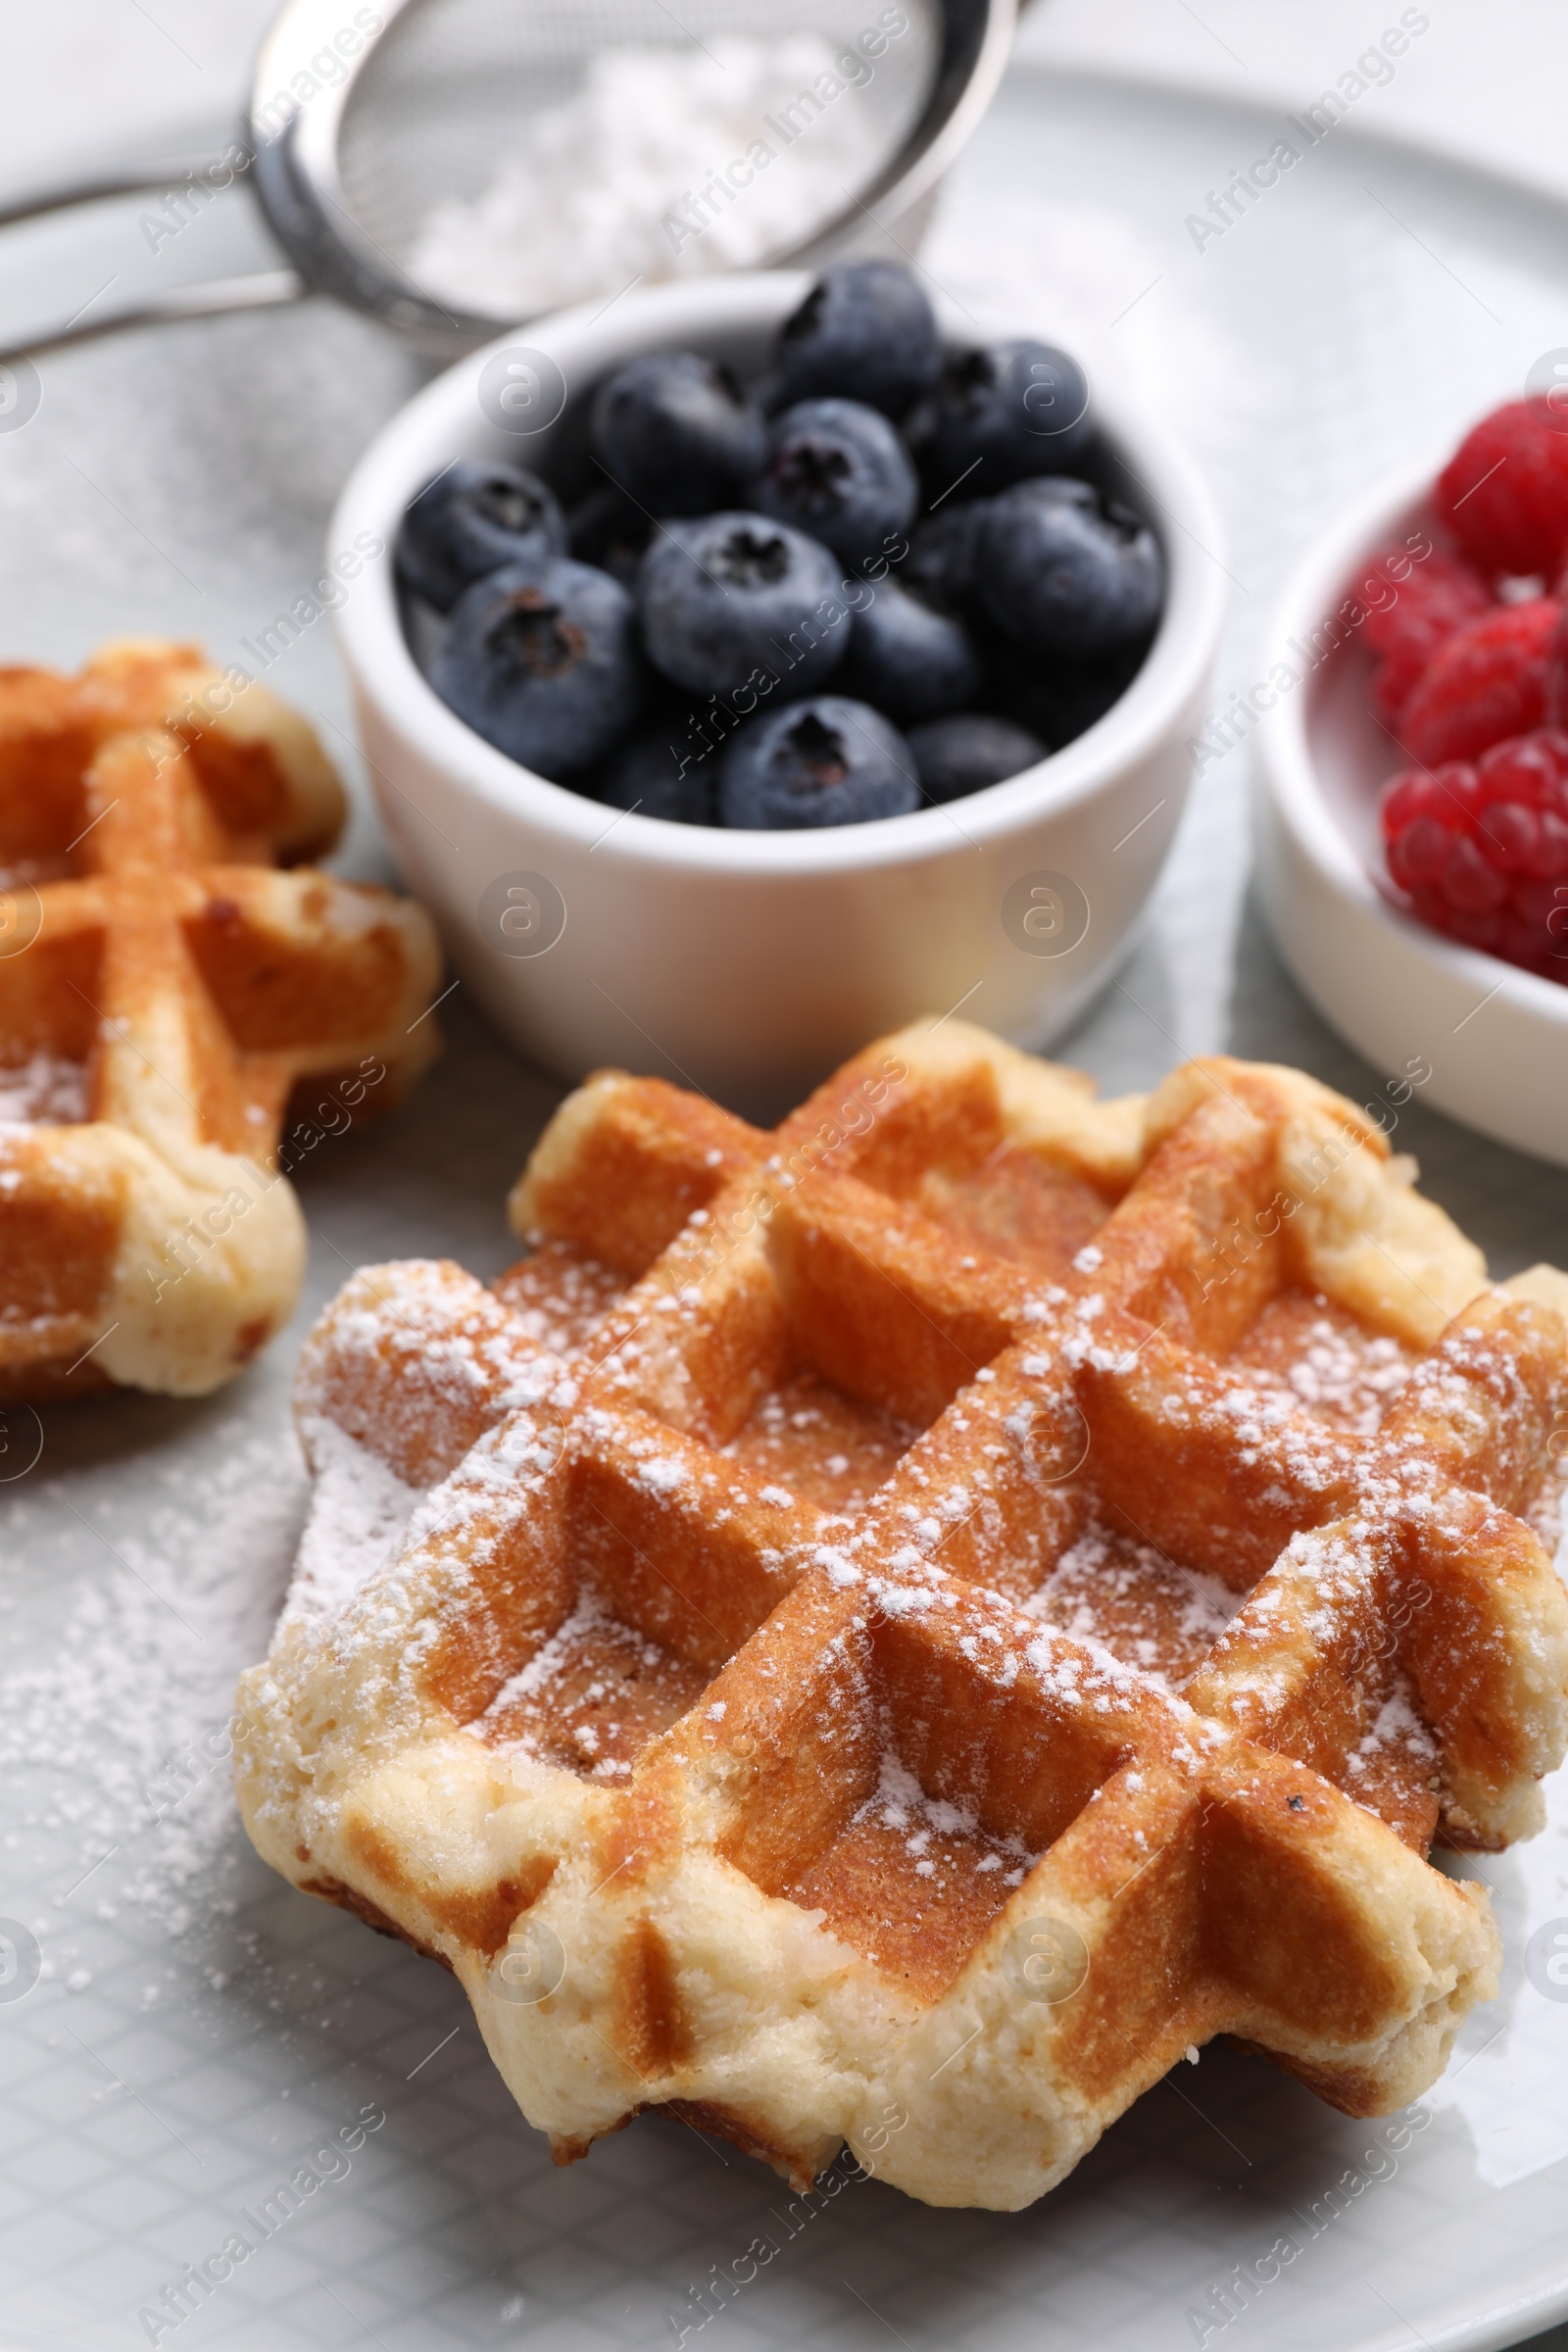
[
  {"x": 1413, "y": 777},
  {"x": 765, "y": 660}
]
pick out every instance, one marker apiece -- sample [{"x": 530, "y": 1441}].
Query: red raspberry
[
  {"x": 1407, "y": 620},
  {"x": 1487, "y": 682},
  {"x": 1557, "y": 667},
  {"x": 1481, "y": 849},
  {"x": 1504, "y": 494}
]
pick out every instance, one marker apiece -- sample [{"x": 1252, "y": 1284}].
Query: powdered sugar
[
  {"x": 115, "y": 1744},
  {"x": 560, "y": 1296},
  {"x": 924, "y": 1821},
  {"x": 359, "y": 1513},
  {"x": 589, "y": 1697},
  {"x": 550, "y": 1659},
  {"x": 668, "y": 163},
  {"x": 808, "y": 1440},
  {"x": 1397, "y": 1724},
  {"x": 47, "y": 1090},
  {"x": 1130, "y": 1597},
  {"x": 1338, "y": 1374},
  {"x": 661, "y": 1475}
]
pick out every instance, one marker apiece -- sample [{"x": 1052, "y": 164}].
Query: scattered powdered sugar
[
  {"x": 902, "y": 1805},
  {"x": 661, "y": 1474},
  {"x": 554, "y": 1658},
  {"x": 558, "y": 1297},
  {"x": 359, "y": 1513},
  {"x": 1346, "y": 1377},
  {"x": 807, "y": 1442},
  {"x": 116, "y": 1738},
  {"x": 1397, "y": 1724},
  {"x": 418, "y": 1357},
  {"x": 590, "y": 1697},
  {"x": 899, "y": 1800},
  {"x": 1087, "y": 1677},
  {"x": 1135, "y": 1601},
  {"x": 668, "y": 163},
  {"x": 47, "y": 1090}
]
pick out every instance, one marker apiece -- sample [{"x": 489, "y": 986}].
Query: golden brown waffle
[
  {"x": 931, "y": 1613},
  {"x": 163, "y": 989}
]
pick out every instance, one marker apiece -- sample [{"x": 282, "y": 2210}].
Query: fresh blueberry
[
  {"x": 1065, "y": 572},
  {"x": 470, "y": 520},
  {"x": 838, "y": 471},
  {"x": 544, "y": 664},
  {"x": 1002, "y": 414},
  {"x": 944, "y": 552},
  {"x": 865, "y": 331},
  {"x": 671, "y": 430},
  {"x": 1059, "y": 700},
  {"x": 609, "y": 529},
  {"x": 660, "y": 773},
  {"x": 730, "y": 601},
  {"x": 967, "y": 751},
  {"x": 911, "y": 662},
  {"x": 827, "y": 761}
]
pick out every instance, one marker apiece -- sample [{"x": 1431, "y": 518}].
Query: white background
[{"x": 85, "y": 77}]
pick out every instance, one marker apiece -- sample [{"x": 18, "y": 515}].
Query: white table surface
[{"x": 1487, "y": 81}]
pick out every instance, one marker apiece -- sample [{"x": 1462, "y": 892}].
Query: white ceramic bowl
[
  {"x": 749, "y": 963},
  {"x": 1495, "y": 1038}
]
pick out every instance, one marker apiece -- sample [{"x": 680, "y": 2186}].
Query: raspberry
[
  {"x": 1408, "y": 625},
  {"x": 1557, "y": 667},
  {"x": 1479, "y": 849},
  {"x": 1485, "y": 682},
  {"x": 1504, "y": 494}
]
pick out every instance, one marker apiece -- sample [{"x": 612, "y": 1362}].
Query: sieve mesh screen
[{"x": 447, "y": 97}]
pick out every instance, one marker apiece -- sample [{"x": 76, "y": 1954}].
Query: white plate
[
  {"x": 1494, "y": 1037},
  {"x": 1302, "y": 356}
]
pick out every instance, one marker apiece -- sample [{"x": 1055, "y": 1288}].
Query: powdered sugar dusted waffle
[
  {"x": 162, "y": 990},
  {"x": 930, "y": 1612}
]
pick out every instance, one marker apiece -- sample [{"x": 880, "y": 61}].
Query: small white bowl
[
  {"x": 1495, "y": 1038},
  {"x": 751, "y": 963}
]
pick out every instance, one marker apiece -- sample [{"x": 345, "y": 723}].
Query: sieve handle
[
  {"x": 260, "y": 291},
  {"x": 139, "y": 179},
  {"x": 264, "y": 290}
]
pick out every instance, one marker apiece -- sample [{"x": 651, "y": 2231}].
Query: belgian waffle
[
  {"x": 930, "y": 1612},
  {"x": 163, "y": 989}
]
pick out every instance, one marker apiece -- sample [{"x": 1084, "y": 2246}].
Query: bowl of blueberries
[{"x": 764, "y": 662}]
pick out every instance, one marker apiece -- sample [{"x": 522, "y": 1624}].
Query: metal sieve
[{"x": 362, "y": 120}]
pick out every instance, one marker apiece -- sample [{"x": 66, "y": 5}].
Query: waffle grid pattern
[
  {"x": 162, "y": 990},
  {"x": 732, "y": 1786}
]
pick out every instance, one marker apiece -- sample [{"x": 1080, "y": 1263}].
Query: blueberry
[
  {"x": 911, "y": 662},
  {"x": 827, "y": 761},
  {"x": 660, "y": 773},
  {"x": 1002, "y": 414},
  {"x": 671, "y": 431},
  {"x": 838, "y": 471},
  {"x": 470, "y": 520},
  {"x": 1064, "y": 572},
  {"x": 943, "y": 554},
  {"x": 609, "y": 529},
  {"x": 1059, "y": 700},
  {"x": 967, "y": 751},
  {"x": 865, "y": 331},
  {"x": 544, "y": 664},
  {"x": 731, "y": 599}
]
